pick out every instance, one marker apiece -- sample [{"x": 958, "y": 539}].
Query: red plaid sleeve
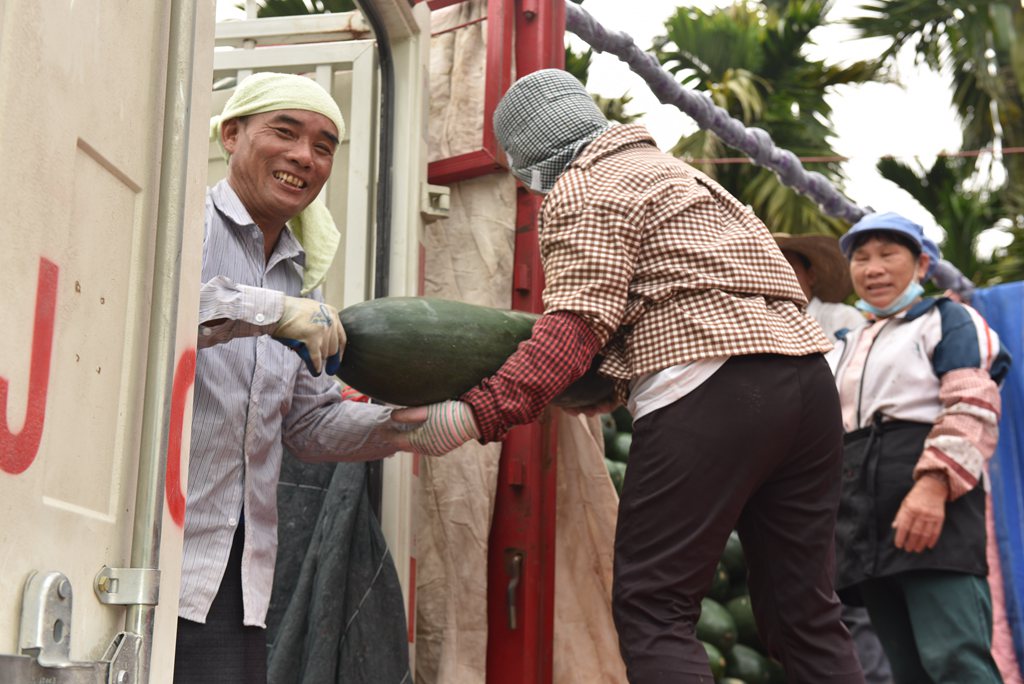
[{"x": 559, "y": 352}]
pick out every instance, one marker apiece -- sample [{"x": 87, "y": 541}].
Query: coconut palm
[
  {"x": 962, "y": 212},
  {"x": 750, "y": 59},
  {"x": 976, "y": 42},
  {"x": 614, "y": 108}
]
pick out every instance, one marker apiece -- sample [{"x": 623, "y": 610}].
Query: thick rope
[{"x": 753, "y": 142}]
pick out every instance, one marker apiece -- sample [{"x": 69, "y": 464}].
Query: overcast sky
[{"x": 908, "y": 121}]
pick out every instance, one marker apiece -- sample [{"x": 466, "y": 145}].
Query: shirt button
[
  {"x": 232, "y": 522},
  {"x": 260, "y": 318},
  {"x": 205, "y": 332}
]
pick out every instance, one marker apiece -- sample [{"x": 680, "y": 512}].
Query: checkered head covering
[{"x": 543, "y": 123}]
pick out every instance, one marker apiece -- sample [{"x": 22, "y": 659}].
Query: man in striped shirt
[
  {"x": 701, "y": 324},
  {"x": 253, "y": 395}
]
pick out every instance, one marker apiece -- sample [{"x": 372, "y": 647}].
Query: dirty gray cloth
[{"x": 336, "y": 612}]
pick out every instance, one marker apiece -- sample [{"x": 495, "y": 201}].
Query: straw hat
[{"x": 831, "y": 270}]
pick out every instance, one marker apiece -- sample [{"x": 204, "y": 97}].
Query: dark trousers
[
  {"x": 222, "y": 651},
  {"x": 935, "y": 626},
  {"x": 758, "y": 448},
  {"x": 869, "y": 649}
]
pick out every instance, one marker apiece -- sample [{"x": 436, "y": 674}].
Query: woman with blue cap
[{"x": 920, "y": 403}]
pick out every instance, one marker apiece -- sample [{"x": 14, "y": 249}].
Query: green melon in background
[
  {"x": 617, "y": 472},
  {"x": 608, "y": 430},
  {"x": 720, "y": 585},
  {"x": 743, "y": 662},
  {"x": 733, "y": 560},
  {"x": 623, "y": 419},
  {"x": 743, "y": 613},
  {"x": 715, "y": 659},
  {"x": 716, "y": 625},
  {"x": 621, "y": 444}
]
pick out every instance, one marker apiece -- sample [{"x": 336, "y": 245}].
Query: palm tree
[
  {"x": 750, "y": 58},
  {"x": 614, "y": 108},
  {"x": 963, "y": 213},
  {"x": 976, "y": 41}
]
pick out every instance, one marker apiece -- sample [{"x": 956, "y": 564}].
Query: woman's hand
[{"x": 918, "y": 523}]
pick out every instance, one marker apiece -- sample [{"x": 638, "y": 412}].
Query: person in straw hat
[
  {"x": 824, "y": 277},
  {"x": 267, "y": 245}
]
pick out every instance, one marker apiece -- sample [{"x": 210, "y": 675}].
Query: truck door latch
[{"x": 44, "y": 641}]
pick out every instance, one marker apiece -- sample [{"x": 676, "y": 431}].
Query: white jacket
[{"x": 936, "y": 363}]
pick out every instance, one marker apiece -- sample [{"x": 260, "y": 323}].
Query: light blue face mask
[{"x": 913, "y": 291}]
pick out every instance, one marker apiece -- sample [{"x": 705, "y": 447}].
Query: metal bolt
[{"x": 64, "y": 589}]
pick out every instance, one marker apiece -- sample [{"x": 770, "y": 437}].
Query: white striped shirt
[{"x": 252, "y": 397}]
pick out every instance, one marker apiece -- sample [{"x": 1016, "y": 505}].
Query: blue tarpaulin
[{"x": 1003, "y": 308}]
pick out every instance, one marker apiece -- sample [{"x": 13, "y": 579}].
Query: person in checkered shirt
[{"x": 701, "y": 323}]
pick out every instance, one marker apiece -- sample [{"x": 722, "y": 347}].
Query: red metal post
[{"x": 521, "y": 567}]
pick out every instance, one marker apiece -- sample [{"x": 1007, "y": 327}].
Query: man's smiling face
[{"x": 279, "y": 162}]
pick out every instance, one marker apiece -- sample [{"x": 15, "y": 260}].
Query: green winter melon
[
  {"x": 746, "y": 628},
  {"x": 743, "y": 662},
  {"x": 720, "y": 585},
  {"x": 732, "y": 558},
  {"x": 617, "y": 472},
  {"x": 608, "y": 430},
  {"x": 623, "y": 419},
  {"x": 621, "y": 443},
  {"x": 412, "y": 351},
  {"x": 716, "y": 626},
  {"x": 715, "y": 659}
]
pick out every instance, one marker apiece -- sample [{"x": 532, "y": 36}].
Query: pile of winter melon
[{"x": 726, "y": 626}]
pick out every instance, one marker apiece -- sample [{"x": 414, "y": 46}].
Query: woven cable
[{"x": 756, "y": 143}]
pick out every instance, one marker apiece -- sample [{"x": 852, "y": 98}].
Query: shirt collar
[
  {"x": 230, "y": 206},
  {"x": 612, "y": 140}
]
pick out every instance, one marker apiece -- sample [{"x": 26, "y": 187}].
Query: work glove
[
  {"x": 443, "y": 426},
  {"x": 314, "y": 331}
]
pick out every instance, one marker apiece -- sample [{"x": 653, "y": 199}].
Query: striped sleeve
[
  {"x": 965, "y": 434},
  {"x": 969, "y": 361},
  {"x": 245, "y": 311}
]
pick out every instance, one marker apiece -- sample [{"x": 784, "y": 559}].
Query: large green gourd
[{"x": 412, "y": 351}]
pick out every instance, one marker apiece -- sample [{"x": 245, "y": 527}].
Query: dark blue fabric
[
  {"x": 1003, "y": 308},
  {"x": 959, "y": 345}
]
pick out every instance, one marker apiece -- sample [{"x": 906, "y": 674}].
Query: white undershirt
[{"x": 653, "y": 391}]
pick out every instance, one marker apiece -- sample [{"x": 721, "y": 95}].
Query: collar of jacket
[
  {"x": 611, "y": 141},
  {"x": 922, "y": 307}
]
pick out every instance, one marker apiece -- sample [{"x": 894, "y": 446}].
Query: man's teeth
[{"x": 289, "y": 179}]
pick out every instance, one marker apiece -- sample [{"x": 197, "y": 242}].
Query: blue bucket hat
[{"x": 894, "y": 223}]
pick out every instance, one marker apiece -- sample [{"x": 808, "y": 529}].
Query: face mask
[{"x": 913, "y": 291}]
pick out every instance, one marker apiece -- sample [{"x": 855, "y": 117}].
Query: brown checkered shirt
[{"x": 662, "y": 264}]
